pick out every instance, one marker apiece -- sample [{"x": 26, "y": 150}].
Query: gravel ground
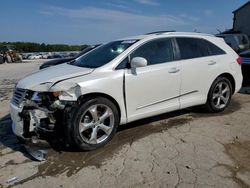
[{"x": 187, "y": 148}]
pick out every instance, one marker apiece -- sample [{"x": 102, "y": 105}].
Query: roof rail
[
  {"x": 159, "y": 32},
  {"x": 193, "y": 33}
]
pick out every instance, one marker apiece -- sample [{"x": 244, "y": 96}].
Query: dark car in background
[
  {"x": 64, "y": 60},
  {"x": 245, "y": 59},
  {"x": 55, "y": 56},
  {"x": 237, "y": 41}
]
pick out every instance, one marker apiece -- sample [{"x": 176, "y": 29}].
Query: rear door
[{"x": 200, "y": 66}]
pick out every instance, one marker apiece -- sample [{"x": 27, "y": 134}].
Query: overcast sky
[{"x": 99, "y": 21}]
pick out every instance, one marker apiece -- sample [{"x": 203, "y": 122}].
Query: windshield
[
  {"x": 84, "y": 51},
  {"x": 104, "y": 54}
]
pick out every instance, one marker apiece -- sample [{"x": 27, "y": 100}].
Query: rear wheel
[
  {"x": 94, "y": 123},
  {"x": 219, "y": 95}
]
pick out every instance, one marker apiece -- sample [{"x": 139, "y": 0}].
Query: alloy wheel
[
  {"x": 96, "y": 124},
  {"x": 221, "y": 95}
]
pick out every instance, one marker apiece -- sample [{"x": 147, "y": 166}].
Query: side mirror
[{"x": 138, "y": 62}]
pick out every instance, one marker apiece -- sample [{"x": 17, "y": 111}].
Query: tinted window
[
  {"x": 195, "y": 48},
  {"x": 86, "y": 50},
  {"x": 104, "y": 54},
  {"x": 124, "y": 64},
  {"x": 155, "y": 52},
  {"x": 213, "y": 49},
  {"x": 192, "y": 48}
]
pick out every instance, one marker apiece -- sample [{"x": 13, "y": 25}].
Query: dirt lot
[{"x": 188, "y": 148}]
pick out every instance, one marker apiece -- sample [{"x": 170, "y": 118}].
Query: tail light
[{"x": 239, "y": 60}]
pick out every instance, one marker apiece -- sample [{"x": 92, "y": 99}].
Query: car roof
[{"x": 157, "y": 34}]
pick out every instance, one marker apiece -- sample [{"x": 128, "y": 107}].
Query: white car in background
[
  {"x": 122, "y": 81},
  {"x": 35, "y": 56}
]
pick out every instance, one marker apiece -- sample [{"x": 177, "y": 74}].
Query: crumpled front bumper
[
  {"x": 35, "y": 147},
  {"x": 19, "y": 117},
  {"x": 17, "y": 122}
]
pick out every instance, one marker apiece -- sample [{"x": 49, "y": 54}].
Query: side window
[
  {"x": 213, "y": 49},
  {"x": 192, "y": 48},
  {"x": 124, "y": 64},
  {"x": 155, "y": 52}
]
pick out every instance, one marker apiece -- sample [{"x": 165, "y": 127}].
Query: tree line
[{"x": 37, "y": 47}]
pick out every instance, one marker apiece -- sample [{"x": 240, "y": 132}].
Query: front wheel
[
  {"x": 94, "y": 123},
  {"x": 219, "y": 95}
]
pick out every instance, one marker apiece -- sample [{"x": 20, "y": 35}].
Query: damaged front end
[{"x": 38, "y": 119}]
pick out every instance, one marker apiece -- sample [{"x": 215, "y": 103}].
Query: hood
[{"x": 44, "y": 79}]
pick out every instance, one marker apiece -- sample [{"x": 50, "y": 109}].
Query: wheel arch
[
  {"x": 96, "y": 94},
  {"x": 208, "y": 105},
  {"x": 230, "y": 78}
]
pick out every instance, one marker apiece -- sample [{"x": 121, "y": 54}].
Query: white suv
[{"x": 85, "y": 100}]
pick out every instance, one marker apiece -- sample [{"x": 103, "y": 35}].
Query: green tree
[{"x": 36, "y": 47}]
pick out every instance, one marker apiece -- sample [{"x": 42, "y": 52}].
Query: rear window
[{"x": 195, "y": 48}]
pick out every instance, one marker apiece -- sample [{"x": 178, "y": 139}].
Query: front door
[{"x": 155, "y": 88}]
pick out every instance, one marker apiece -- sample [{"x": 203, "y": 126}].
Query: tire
[
  {"x": 94, "y": 123},
  {"x": 219, "y": 95}
]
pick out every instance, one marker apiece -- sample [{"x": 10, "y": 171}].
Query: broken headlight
[
  {"x": 36, "y": 97},
  {"x": 43, "y": 99}
]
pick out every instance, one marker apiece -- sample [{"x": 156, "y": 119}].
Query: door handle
[
  {"x": 174, "y": 70},
  {"x": 212, "y": 63}
]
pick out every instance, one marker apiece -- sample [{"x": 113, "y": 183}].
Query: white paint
[{"x": 153, "y": 90}]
